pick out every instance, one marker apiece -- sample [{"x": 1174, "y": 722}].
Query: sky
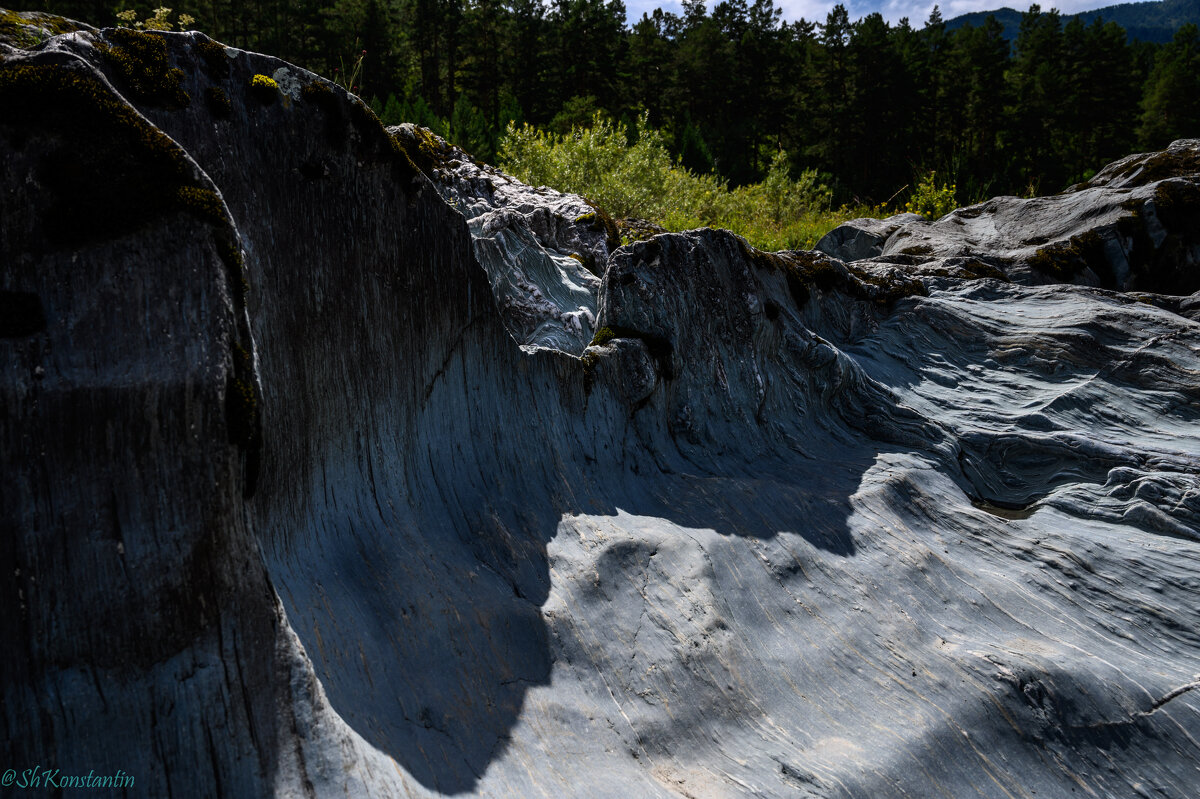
[{"x": 917, "y": 11}]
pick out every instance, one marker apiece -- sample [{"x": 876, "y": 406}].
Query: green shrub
[
  {"x": 930, "y": 200},
  {"x": 641, "y": 179}
]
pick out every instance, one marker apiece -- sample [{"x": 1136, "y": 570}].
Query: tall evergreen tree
[
  {"x": 1037, "y": 88},
  {"x": 1171, "y": 104}
]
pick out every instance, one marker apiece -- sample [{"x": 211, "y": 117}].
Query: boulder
[
  {"x": 544, "y": 251},
  {"x": 1134, "y": 227},
  {"x": 862, "y": 238}
]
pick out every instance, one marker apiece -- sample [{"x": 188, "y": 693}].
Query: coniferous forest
[{"x": 870, "y": 105}]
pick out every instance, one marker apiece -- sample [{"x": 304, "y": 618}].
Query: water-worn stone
[
  {"x": 288, "y": 511},
  {"x": 544, "y": 251},
  {"x": 1135, "y": 226}
]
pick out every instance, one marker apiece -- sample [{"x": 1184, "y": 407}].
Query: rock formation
[
  {"x": 312, "y": 486},
  {"x": 1135, "y": 226}
]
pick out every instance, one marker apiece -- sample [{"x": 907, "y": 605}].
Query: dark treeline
[{"x": 868, "y": 103}]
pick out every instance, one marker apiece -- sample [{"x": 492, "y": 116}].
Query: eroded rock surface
[
  {"x": 289, "y": 511},
  {"x": 1135, "y": 226},
  {"x": 544, "y": 251}
]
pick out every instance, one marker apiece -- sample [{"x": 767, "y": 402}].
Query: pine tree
[{"x": 1171, "y": 104}]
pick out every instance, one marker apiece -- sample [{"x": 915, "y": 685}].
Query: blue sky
[{"x": 917, "y": 11}]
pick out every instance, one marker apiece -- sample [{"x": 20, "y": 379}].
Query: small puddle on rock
[{"x": 1005, "y": 512}]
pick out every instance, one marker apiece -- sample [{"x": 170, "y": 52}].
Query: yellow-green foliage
[
  {"x": 931, "y": 200},
  {"x": 642, "y": 180},
  {"x": 159, "y": 21},
  {"x": 140, "y": 59},
  {"x": 264, "y": 88}
]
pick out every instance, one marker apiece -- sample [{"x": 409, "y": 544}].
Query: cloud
[
  {"x": 894, "y": 10},
  {"x": 635, "y": 8},
  {"x": 813, "y": 10}
]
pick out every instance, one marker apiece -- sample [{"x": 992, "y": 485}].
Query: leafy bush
[
  {"x": 160, "y": 21},
  {"x": 931, "y": 201},
  {"x": 641, "y": 179}
]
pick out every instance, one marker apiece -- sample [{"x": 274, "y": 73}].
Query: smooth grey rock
[
  {"x": 800, "y": 528},
  {"x": 544, "y": 251},
  {"x": 1134, "y": 227},
  {"x": 862, "y": 238}
]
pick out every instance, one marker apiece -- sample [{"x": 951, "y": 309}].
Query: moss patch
[
  {"x": 599, "y": 221},
  {"x": 632, "y": 229},
  {"x": 202, "y": 202},
  {"x": 212, "y": 55},
  {"x": 141, "y": 63},
  {"x": 602, "y": 337},
  {"x": 27, "y": 29},
  {"x": 421, "y": 147},
  {"x": 243, "y": 419},
  {"x": 241, "y": 400},
  {"x": 978, "y": 270},
  {"x": 806, "y": 269},
  {"x": 218, "y": 102},
  {"x": 107, "y": 171},
  {"x": 1063, "y": 260},
  {"x": 1162, "y": 165}
]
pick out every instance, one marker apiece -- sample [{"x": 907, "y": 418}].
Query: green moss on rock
[
  {"x": 808, "y": 269},
  {"x": 1063, "y": 260},
  {"x": 218, "y": 102},
  {"x": 603, "y": 336},
  {"x": 27, "y": 29},
  {"x": 204, "y": 203},
  {"x": 106, "y": 170},
  {"x": 141, "y": 62},
  {"x": 214, "y": 58},
  {"x": 1161, "y": 165},
  {"x": 109, "y": 172},
  {"x": 421, "y": 147}
]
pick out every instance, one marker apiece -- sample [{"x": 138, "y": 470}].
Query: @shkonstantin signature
[{"x": 38, "y": 777}]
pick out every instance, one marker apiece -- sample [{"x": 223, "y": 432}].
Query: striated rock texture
[
  {"x": 544, "y": 251},
  {"x": 289, "y": 509},
  {"x": 1135, "y": 226}
]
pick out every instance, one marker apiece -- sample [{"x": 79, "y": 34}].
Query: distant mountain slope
[{"x": 1147, "y": 21}]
